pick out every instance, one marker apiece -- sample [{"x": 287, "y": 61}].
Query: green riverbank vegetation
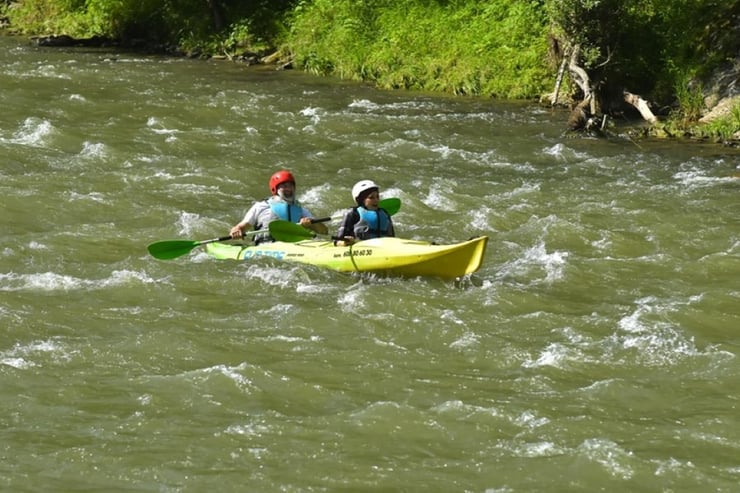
[{"x": 676, "y": 61}]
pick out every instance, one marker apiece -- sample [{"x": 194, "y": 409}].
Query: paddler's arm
[
  {"x": 251, "y": 218},
  {"x": 238, "y": 230}
]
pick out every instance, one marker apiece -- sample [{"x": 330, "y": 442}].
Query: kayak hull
[{"x": 392, "y": 256}]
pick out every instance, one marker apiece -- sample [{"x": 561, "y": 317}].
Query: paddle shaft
[
  {"x": 321, "y": 219},
  {"x": 169, "y": 249},
  {"x": 391, "y": 205},
  {"x": 214, "y": 240}
]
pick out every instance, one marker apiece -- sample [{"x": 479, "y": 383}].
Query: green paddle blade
[
  {"x": 290, "y": 232},
  {"x": 391, "y": 205},
  {"x": 169, "y": 249}
]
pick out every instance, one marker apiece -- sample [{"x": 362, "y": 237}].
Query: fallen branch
[{"x": 641, "y": 105}]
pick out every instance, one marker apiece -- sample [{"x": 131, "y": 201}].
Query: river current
[{"x": 595, "y": 350}]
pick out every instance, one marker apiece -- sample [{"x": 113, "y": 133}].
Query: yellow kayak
[{"x": 393, "y": 256}]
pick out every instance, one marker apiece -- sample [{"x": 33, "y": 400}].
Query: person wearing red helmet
[
  {"x": 281, "y": 205},
  {"x": 366, "y": 220}
]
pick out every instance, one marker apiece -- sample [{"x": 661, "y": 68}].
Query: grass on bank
[{"x": 493, "y": 49}]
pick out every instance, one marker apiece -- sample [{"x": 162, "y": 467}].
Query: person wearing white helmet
[
  {"x": 281, "y": 205},
  {"x": 366, "y": 220}
]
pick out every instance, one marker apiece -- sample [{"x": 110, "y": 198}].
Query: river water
[{"x": 595, "y": 350}]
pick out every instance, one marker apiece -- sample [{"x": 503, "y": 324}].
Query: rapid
[{"x": 595, "y": 350}]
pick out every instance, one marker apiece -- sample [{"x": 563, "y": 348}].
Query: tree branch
[{"x": 641, "y": 105}]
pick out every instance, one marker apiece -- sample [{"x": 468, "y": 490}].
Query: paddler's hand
[
  {"x": 346, "y": 241},
  {"x": 236, "y": 232},
  {"x": 320, "y": 228}
]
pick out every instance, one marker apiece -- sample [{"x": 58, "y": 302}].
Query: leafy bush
[{"x": 217, "y": 24}]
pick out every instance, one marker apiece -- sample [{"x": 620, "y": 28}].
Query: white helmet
[{"x": 362, "y": 186}]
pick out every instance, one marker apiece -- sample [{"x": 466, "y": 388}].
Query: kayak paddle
[
  {"x": 285, "y": 230},
  {"x": 391, "y": 206},
  {"x": 169, "y": 249},
  {"x": 292, "y": 232}
]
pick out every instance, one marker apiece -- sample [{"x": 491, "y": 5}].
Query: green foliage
[
  {"x": 39, "y": 16},
  {"x": 690, "y": 99},
  {"x": 155, "y": 22},
  {"x": 494, "y": 48},
  {"x": 648, "y": 45},
  {"x": 723, "y": 129}
]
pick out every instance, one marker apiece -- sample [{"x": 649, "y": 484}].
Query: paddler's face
[
  {"x": 286, "y": 190},
  {"x": 371, "y": 201}
]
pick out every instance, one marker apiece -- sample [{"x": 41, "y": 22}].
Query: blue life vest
[
  {"x": 275, "y": 209},
  {"x": 286, "y": 211},
  {"x": 372, "y": 224}
]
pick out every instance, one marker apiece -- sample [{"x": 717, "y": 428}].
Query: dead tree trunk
[
  {"x": 581, "y": 116},
  {"x": 580, "y": 77},
  {"x": 559, "y": 80},
  {"x": 641, "y": 105}
]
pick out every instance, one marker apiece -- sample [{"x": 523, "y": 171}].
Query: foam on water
[
  {"x": 52, "y": 281},
  {"x": 279, "y": 309},
  {"x": 563, "y": 153},
  {"x": 92, "y": 196},
  {"x": 233, "y": 373},
  {"x": 535, "y": 259},
  {"x": 480, "y": 219},
  {"x": 537, "y": 449},
  {"x": 555, "y": 355},
  {"x": 34, "y": 132},
  {"x": 52, "y": 72},
  {"x": 26, "y": 356},
  {"x": 617, "y": 461},
  {"x": 699, "y": 179},
  {"x": 157, "y": 126},
  {"x": 271, "y": 275},
  {"x": 389, "y": 107},
  {"x": 438, "y": 196},
  {"x": 364, "y": 104},
  {"x": 313, "y": 197},
  {"x": 189, "y": 223},
  {"x": 93, "y": 150},
  {"x": 352, "y": 299},
  {"x": 314, "y": 114},
  {"x": 466, "y": 341}
]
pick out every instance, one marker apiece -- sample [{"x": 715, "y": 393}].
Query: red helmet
[{"x": 278, "y": 178}]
